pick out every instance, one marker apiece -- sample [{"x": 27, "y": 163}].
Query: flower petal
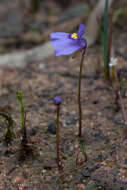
[
  {"x": 66, "y": 46},
  {"x": 83, "y": 42},
  {"x": 113, "y": 62},
  {"x": 59, "y": 35},
  {"x": 81, "y": 30}
]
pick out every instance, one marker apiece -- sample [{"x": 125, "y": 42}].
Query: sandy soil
[{"x": 104, "y": 131}]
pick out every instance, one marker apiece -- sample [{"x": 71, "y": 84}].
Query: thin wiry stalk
[
  {"x": 105, "y": 42},
  {"x": 79, "y": 96},
  {"x": 57, "y": 138}
]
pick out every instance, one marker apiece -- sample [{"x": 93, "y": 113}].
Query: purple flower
[
  {"x": 57, "y": 100},
  {"x": 67, "y": 43}
]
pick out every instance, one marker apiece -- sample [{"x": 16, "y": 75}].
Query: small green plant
[
  {"x": 82, "y": 150},
  {"x": 119, "y": 12},
  {"x": 23, "y": 118},
  {"x": 26, "y": 150},
  {"x": 9, "y": 136}
]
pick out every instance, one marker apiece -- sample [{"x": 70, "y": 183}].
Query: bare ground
[{"x": 104, "y": 132}]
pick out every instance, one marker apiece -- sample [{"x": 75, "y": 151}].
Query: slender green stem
[
  {"x": 105, "y": 42},
  {"x": 23, "y": 118},
  {"x": 79, "y": 96},
  {"x": 57, "y": 137},
  {"x": 109, "y": 38},
  {"x": 24, "y": 131}
]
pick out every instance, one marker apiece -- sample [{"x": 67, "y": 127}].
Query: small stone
[
  {"x": 7, "y": 153},
  {"x": 114, "y": 172},
  {"x": 48, "y": 111},
  {"x": 47, "y": 178},
  {"x": 76, "y": 146},
  {"x": 71, "y": 149},
  {"x": 41, "y": 66},
  {"x": 114, "y": 180},
  {"x": 99, "y": 113},
  {"x": 94, "y": 168},
  {"x": 95, "y": 102},
  {"x": 97, "y": 135},
  {"x": 52, "y": 128},
  {"x": 33, "y": 132},
  {"x": 70, "y": 122},
  {"x": 100, "y": 156},
  {"x": 81, "y": 186},
  {"x": 121, "y": 188},
  {"x": 69, "y": 178},
  {"x": 18, "y": 179},
  {"x": 125, "y": 161},
  {"x": 43, "y": 171},
  {"x": 85, "y": 173},
  {"x": 94, "y": 187}
]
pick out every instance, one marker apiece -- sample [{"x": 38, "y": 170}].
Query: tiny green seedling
[
  {"x": 9, "y": 136},
  {"x": 82, "y": 150},
  {"x": 26, "y": 150},
  {"x": 23, "y": 119}
]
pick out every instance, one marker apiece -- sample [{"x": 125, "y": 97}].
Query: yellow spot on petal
[{"x": 74, "y": 36}]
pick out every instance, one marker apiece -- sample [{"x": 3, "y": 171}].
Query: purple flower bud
[{"x": 57, "y": 100}]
